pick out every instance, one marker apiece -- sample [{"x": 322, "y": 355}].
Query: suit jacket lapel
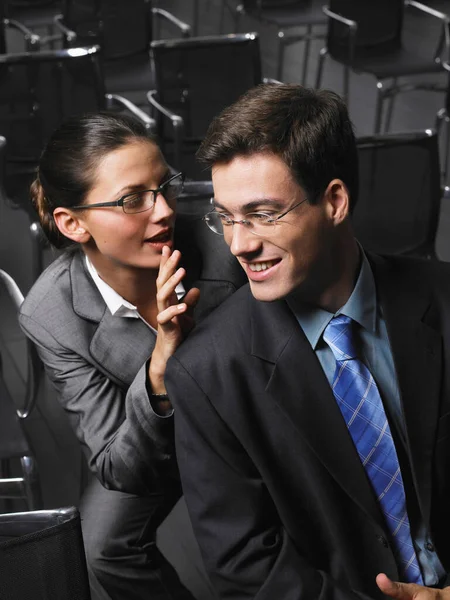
[
  {"x": 119, "y": 345},
  {"x": 416, "y": 346},
  {"x": 298, "y": 384}
]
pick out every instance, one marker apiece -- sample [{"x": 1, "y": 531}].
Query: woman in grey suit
[{"x": 106, "y": 316}]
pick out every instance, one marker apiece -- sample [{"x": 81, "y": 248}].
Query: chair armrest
[
  {"x": 34, "y": 376},
  {"x": 12, "y": 288},
  {"x": 427, "y": 9},
  {"x": 149, "y": 123},
  {"x": 444, "y": 39},
  {"x": 270, "y": 80},
  {"x": 352, "y": 25},
  {"x": 181, "y": 25},
  {"x": 70, "y": 35},
  {"x": 177, "y": 123},
  {"x": 32, "y": 39},
  {"x": 176, "y": 119},
  {"x": 34, "y": 364}
]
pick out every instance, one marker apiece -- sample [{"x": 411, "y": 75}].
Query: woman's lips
[{"x": 162, "y": 238}]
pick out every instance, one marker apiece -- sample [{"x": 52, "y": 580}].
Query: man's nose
[{"x": 240, "y": 240}]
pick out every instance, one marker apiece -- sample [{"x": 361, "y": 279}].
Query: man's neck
[{"x": 346, "y": 272}]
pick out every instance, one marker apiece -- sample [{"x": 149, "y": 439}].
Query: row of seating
[
  {"x": 397, "y": 211},
  {"x": 363, "y": 36}
]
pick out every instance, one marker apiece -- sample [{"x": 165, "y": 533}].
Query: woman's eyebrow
[{"x": 132, "y": 187}]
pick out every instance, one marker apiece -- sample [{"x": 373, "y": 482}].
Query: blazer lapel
[
  {"x": 416, "y": 347},
  {"x": 299, "y": 385},
  {"x": 119, "y": 345}
]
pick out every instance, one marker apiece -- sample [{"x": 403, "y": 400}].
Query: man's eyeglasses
[
  {"x": 137, "y": 202},
  {"x": 258, "y": 223}
]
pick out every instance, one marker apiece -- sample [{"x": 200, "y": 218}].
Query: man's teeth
[{"x": 261, "y": 266}]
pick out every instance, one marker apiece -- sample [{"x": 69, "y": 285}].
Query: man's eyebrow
[{"x": 254, "y": 204}]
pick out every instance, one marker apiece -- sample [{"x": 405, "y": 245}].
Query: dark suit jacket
[
  {"x": 278, "y": 498},
  {"x": 97, "y": 362}
]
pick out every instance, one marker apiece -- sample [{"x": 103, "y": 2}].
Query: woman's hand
[{"x": 174, "y": 319}]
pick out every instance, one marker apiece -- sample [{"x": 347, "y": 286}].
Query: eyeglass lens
[{"x": 145, "y": 200}]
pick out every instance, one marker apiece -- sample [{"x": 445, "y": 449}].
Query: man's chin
[{"x": 265, "y": 293}]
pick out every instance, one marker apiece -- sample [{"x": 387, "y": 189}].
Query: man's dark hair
[{"x": 309, "y": 129}]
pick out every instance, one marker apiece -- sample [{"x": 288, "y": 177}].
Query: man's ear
[
  {"x": 338, "y": 201},
  {"x": 71, "y": 225}
]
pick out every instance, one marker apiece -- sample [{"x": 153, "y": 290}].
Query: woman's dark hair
[
  {"x": 67, "y": 165},
  {"x": 309, "y": 129}
]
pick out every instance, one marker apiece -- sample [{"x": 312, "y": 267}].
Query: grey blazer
[{"x": 97, "y": 362}]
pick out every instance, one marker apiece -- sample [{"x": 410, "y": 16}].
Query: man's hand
[{"x": 410, "y": 591}]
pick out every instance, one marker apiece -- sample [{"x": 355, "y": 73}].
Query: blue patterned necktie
[{"x": 360, "y": 402}]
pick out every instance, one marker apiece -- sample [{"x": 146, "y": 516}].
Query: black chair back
[
  {"x": 39, "y": 90},
  {"x": 397, "y": 210},
  {"x": 252, "y": 5},
  {"x": 122, "y": 29},
  {"x": 29, "y": 3},
  {"x": 42, "y": 556},
  {"x": 3, "y": 15},
  {"x": 198, "y": 77},
  {"x": 208, "y": 260},
  {"x": 379, "y": 27},
  {"x": 19, "y": 384}
]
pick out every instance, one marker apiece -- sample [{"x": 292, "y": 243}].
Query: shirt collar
[
  {"x": 361, "y": 307},
  {"x": 114, "y": 301}
]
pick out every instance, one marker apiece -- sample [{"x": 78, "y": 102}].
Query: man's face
[{"x": 296, "y": 253}]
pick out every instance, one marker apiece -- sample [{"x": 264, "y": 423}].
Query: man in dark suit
[{"x": 312, "y": 409}]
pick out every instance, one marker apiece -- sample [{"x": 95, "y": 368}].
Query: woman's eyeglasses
[{"x": 137, "y": 202}]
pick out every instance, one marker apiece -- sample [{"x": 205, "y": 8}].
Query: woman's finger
[
  {"x": 166, "y": 316},
  {"x": 165, "y": 294},
  {"x": 168, "y": 265},
  {"x": 192, "y": 297}
]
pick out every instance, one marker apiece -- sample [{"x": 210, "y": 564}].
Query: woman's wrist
[{"x": 156, "y": 377}]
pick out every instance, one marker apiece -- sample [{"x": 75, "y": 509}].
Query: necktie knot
[{"x": 338, "y": 335}]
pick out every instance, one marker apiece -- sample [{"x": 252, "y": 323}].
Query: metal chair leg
[
  {"x": 222, "y": 17},
  {"x": 31, "y": 483},
  {"x": 347, "y": 84},
  {"x": 390, "y": 108},
  {"x": 238, "y": 12},
  {"x": 379, "y": 107},
  {"x": 322, "y": 54},
  {"x": 38, "y": 252},
  {"x": 306, "y": 53},
  {"x": 443, "y": 118},
  {"x": 195, "y": 18},
  {"x": 280, "y": 62}
]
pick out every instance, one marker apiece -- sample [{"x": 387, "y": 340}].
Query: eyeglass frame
[
  {"x": 246, "y": 223},
  {"x": 122, "y": 200}
]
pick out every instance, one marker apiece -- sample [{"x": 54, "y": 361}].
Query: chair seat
[
  {"x": 397, "y": 63},
  {"x": 291, "y": 17},
  {"x": 130, "y": 74}
]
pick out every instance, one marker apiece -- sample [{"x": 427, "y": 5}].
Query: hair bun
[{"x": 45, "y": 213}]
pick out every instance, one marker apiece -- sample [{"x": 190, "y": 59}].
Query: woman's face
[{"x": 120, "y": 239}]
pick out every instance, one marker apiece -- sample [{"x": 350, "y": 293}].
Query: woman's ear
[{"x": 71, "y": 225}]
